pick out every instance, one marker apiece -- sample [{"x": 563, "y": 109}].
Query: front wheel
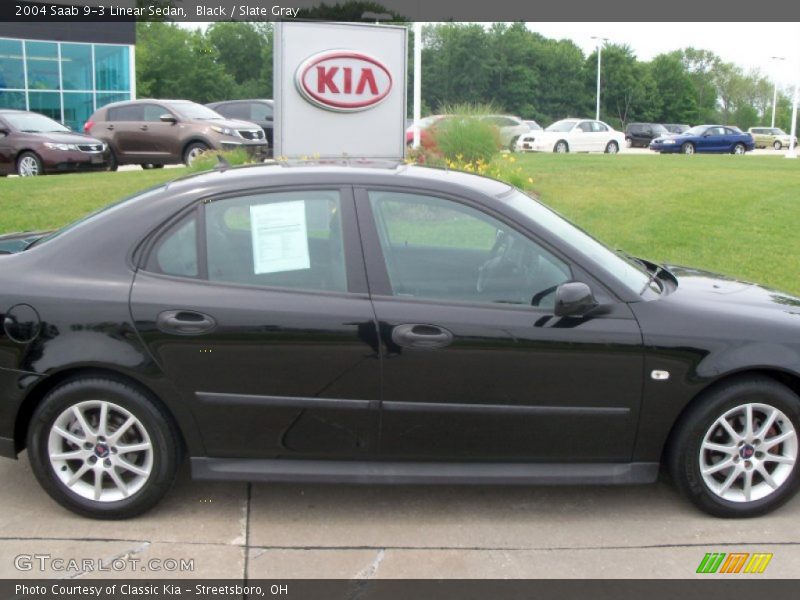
[
  {"x": 777, "y": 145},
  {"x": 561, "y": 147},
  {"x": 687, "y": 148},
  {"x": 102, "y": 449},
  {"x": 612, "y": 147},
  {"x": 512, "y": 145},
  {"x": 29, "y": 165},
  {"x": 192, "y": 152},
  {"x": 734, "y": 454},
  {"x": 739, "y": 149}
]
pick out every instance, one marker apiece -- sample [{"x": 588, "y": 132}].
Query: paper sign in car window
[{"x": 280, "y": 237}]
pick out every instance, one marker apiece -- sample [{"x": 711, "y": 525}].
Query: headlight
[
  {"x": 224, "y": 130},
  {"x": 65, "y": 147},
  {"x": 667, "y": 141}
]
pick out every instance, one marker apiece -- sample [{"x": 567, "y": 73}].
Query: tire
[
  {"x": 512, "y": 145},
  {"x": 561, "y": 147},
  {"x": 687, "y": 148},
  {"x": 148, "y": 166},
  {"x": 738, "y": 149},
  {"x": 193, "y": 151},
  {"x": 701, "y": 425},
  {"x": 629, "y": 142},
  {"x": 777, "y": 145},
  {"x": 153, "y": 464},
  {"x": 113, "y": 163},
  {"x": 612, "y": 147},
  {"x": 29, "y": 165}
]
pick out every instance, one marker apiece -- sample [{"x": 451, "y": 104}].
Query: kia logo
[{"x": 343, "y": 80}]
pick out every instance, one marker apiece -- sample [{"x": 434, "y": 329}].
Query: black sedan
[
  {"x": 386, "y": 324},
  {"x": 705, "y": 138}
]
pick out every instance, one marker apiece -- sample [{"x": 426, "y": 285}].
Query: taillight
[{"x": 87, "y": 127}]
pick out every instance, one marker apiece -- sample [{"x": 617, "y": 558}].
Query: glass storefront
[{"x": 65, "y": 81}]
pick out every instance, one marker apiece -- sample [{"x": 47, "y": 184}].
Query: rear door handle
[
  {"x": 421, "y": 336},
  {"x": 110, "y": 127},
  {"x": 143, "y": 127},
  {"x": 185, "y": 322}
]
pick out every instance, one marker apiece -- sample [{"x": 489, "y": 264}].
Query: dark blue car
[{"x": 705, "y": 138}]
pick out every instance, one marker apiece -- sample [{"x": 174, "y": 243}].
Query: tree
[{"x": 675, "y": 89}]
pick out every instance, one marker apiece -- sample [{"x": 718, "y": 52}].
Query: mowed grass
[{"x": 731, "y": 214}]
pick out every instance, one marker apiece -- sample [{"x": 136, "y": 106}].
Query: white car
[{"x": 573, "y": 135}]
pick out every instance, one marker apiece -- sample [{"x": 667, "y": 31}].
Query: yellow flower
[{"x": 530, "y": 179}]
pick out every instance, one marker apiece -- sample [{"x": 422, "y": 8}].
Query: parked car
[
  {"x": 676, "y": 128},
  {"x": 533, "y": 125},
  {"x": 641, "y": 134},
  {"x": 159, "y": 132},
  {"x": 281, "y": 323},
  {"x": 424, "y": 124},
  {"x": 705, "y": 138},
  {"x": 509, "y": 128},
  {"x": 573, "y": 135},
  {"x": 32, "y": 144},
  {"x": 764, "y": 137},
  {"x": 256, "y": 111}
]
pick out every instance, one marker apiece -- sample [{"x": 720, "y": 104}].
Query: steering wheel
[
  {"x": 539, "y": 296},
  {"x": 501, "y": 243}
]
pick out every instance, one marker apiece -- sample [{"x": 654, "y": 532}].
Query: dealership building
[{"x": 66, "y": 70}]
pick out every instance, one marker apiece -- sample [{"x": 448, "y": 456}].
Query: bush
[
  {"x": 208, "y": 159},
  {"x": 467, "y": 137}
]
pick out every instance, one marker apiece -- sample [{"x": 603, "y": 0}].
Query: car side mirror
[
  {"x": 3, "y": 131},
  {"x": 574, "y": 299},
  {"x": 168, "y": 118}
]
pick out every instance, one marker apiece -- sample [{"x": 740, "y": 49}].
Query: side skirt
[{"x": 428, "y": 473}]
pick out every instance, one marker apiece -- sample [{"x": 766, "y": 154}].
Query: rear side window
[
  {"x": 131, "y": 112},
  {"x": 175, "y": 253},
  {"x": 234, "y": 110},
  {"x": 286, "y": 239}
]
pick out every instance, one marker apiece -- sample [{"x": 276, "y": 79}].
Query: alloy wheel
[
  {"x": 100, "y": 451},
  {"x": 748, "y": 453},
  {"x": 28, "y": 166}
]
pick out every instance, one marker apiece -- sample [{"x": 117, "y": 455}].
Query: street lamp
[
  {"x": 792, "y": 151},
  {"x": 775, "y": 91},
  {"x": 600, "y": 41}
]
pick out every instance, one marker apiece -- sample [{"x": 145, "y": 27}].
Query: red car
[{"x": 32, "y": 144}]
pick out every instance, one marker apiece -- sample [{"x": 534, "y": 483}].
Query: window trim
[
  {"x": 355, "y": 268},
  {"x": 380, "y": 283}
]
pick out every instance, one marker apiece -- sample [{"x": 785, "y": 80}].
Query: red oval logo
[{"x": 343, "y": 80}]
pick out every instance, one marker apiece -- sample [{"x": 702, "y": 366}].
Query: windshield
[
  {"x": 633, "y": 277},
  {"x": 697, "y": 130},
  {"x": 565, "y": 125},
  {"x": 190, "y": 110},
  {"x": 93, "y": 215},
  {"x": 33, "y": 123},
  {"x": 660, "y": 129}
]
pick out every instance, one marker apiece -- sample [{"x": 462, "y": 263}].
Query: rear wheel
[
  {"x": 687, "y": 148},
  {"x": 612, "y": 147},
  {"x": 113, "y": 163},
  {"x": 561, "y": 147},
  {"x": 102, "y": 448},
  {"x": 512, "y": 145},
  {"x": 739, "y": 149},
  {"x": 29, "y": 165},
  {"x": 734, "y": 454},
  {"x": 147, "y": 166},
  {"x": 777, "y": 145}
]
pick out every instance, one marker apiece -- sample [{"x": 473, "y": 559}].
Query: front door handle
[
  {"x": 185, "y": 322},
  {"x": 421, "y": 336},
  {"x": 143, "y": 127},
  {"x": 110, "y": 127}
]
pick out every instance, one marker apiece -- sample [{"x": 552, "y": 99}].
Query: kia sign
[
  {"x": 343, "y": 80},
  {"x": 340, "y": 90}
]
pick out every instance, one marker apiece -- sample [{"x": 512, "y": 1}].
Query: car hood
[
  {"x": 68, "y": 137},
  {"x": 726, "y": 293},
  {"x": 11, "y": 243},
  {"x": 231, "y": 124}
]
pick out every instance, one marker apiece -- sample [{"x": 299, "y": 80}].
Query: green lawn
[{"x": 732, "y": 214}]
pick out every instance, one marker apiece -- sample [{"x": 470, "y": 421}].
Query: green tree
[{"x": 675, "y": 89}]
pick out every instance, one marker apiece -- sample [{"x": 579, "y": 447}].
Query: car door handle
[
  {"x": 185, "y": 322},
  {"x": 110, "y": 127},
  {"x": 143, "y": 127},
  {"x": 421, "y": 336}
]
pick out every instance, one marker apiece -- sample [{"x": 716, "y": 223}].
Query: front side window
[
  {"x": 284, "y": 239},
  {"x": 153, "y": 113},
  {"x": 443, "y": 250}
]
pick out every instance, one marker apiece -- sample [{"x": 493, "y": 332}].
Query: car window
[
  {"x": 260, "y": 111},
  {"x": 442, "y": 250},
  {"x": 585, "y": 126},
  {"x": 176, "y": 251},
  {"x": 234, "y": 110},
  {"x": 285, "y": 239},
  {"x": 153, "y": 112},
  {"x": 597, "y": 126},
  {"x": 131, "y": 112}
]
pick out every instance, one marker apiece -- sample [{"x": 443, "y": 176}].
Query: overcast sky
[{"x": 749, "y": 45}]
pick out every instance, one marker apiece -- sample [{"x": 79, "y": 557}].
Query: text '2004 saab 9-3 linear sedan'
[{"x": 385, "y": 324}]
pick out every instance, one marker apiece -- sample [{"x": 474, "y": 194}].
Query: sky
[{"x": 749, "y": 45}]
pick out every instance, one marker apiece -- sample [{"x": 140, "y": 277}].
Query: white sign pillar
[{"x": 417, "y": 81}]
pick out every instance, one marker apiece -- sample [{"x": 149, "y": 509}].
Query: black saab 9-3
[{"x": 382, "y": 324}]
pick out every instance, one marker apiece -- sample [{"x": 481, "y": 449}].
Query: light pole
[
  {"x": 775, "y": 92},
  {"x": 792, "y": 151},
  {"x": 600, "y": 42}
]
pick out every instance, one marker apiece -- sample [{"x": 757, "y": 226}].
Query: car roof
[
  {"x": 148, "y": 100},
  {"x": 344, "y": 171},
  {"x": 218, "y": 102}
]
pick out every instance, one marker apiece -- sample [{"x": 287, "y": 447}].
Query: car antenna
[{"x": 222, "y": 163}]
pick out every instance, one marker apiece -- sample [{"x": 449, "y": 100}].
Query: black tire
[
  {"x": 777, "y": 145},
  {"x": 113, "y": 163},
  {"x": 561, "y": 147},
  {"x": 629, "y": 142},
  {"x": 164, "y": 442},
  {"x": 29, "y": 164},
  {"x": 189, "y": 154},
  {"x": 687, "y": 148},
  {"x": 684, "y": 452},
  {"x": 148, "y": 166},
  {"x": 512, "y": 145},
  {"x": 612, "y": 147}
]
